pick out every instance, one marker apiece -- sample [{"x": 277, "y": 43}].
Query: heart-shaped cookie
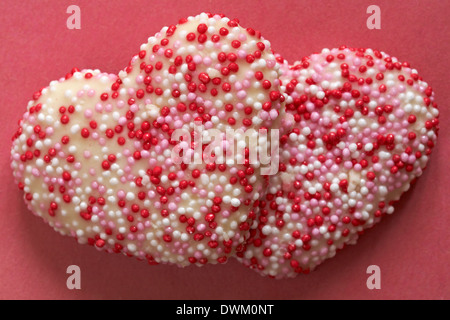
[
  {"x": 94, "y": 153},
  {"x": 363, "y": 126}
]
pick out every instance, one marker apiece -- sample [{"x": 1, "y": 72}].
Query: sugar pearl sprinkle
[
  {"x": 93, "y": 151},
  {"x": 364, "y": 125}
]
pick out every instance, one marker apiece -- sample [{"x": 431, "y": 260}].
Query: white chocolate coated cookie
[
  {"x": 94, "y": 152},
  {"x": 364, "y": 125}
]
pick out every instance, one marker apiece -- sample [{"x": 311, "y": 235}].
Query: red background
[{"x": 411, "y": 247}]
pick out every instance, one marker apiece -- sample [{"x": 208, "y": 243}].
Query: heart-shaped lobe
[
  {"x": 94, "y": 152},
  {"x": 364, "y": 125}
]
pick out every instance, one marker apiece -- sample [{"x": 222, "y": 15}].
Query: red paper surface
[{"x": 411, "y": 247}]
